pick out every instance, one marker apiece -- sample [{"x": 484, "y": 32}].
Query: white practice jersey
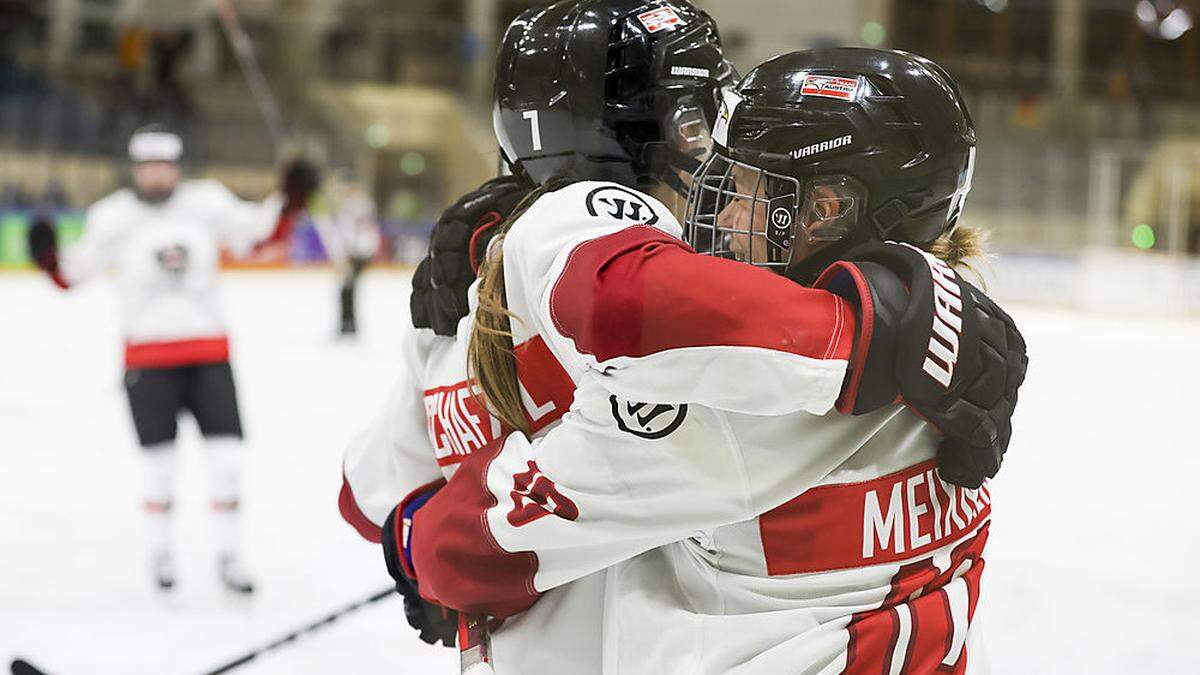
[
  {"x": 166, "y": 257},
  {"x": 699, "y": 484}
]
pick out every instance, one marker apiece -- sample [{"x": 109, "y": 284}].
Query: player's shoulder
[
  {"x": 563, "y": 218},
  {"x": 600, "y": 203},
  {"x": 112, "y": 208},
  {"x": 201, "y": 189}
]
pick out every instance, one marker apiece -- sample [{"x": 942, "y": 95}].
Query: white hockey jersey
[
  {"x": 739, "y": 527},
  {"x": 432, "y": 407},
  {"x": 167, "y": 256}
]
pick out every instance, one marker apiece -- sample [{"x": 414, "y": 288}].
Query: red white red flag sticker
[
  {"x": 659, "y": 19},
  {"x": 841, "y": 88}
]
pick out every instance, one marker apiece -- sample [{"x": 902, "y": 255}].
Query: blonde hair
[
  {"x": 490, "y": 358},
  {"x": 961, "y": 247}
]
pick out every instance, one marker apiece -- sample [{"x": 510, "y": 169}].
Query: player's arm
[
  {"x": 239, "y": 223},
  {"x": 663, "y": 323},
  {"x": 246, "y": 225},
  {"x": 521, "y": 517},
  {"x": 92, "y": 255},
  {"x": 391, "y": 456}
]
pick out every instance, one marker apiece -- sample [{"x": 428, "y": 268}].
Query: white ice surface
[{"x": 1092, "y": 563}]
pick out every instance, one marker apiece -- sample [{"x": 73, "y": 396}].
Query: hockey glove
[
  {"x": 43, "y": 248},
  {"x": 432, "y": 622},
  {"x": 937, "y": 343},
  {"x": 299, "y": 182},
  {"x": 456, "y": 248}
]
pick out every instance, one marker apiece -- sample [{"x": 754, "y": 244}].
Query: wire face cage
[{"x": 743, "y": 212}]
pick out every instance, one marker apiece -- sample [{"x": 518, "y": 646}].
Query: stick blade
[{"x": 23, "y": 667}]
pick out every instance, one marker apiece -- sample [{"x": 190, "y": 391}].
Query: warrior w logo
[{"x": 647, "y": 420}]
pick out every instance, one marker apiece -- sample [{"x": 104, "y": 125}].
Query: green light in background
[
  {"x": 404, "y": 204},
  {"x": 378, "y": 135},
  {"x": 873, "y": 33},
  {"x": 412, "y": 163},
  {"x": 1143, "y": 236}
]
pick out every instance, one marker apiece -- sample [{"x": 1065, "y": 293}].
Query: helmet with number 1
[
  {"x": 817, "y": 151},
  {"x": 620, "y": 90}
]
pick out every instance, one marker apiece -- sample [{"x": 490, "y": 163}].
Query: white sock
[
  {"x": 159, "y": 477},
  {"x": 224, "y": 458}
]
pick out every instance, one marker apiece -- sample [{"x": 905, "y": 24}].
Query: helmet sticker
[
  {"x": 827, "y": 86},
  {"x": 659, "y": 19}
]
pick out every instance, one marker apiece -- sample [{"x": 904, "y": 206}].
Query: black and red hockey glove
[
  {"x": 937, "y": 343},
  {"x": 432, "y": 622},
  {"x": 298, "y": 182},
  {"x": 43, "y": 248},
  {"x": 457, "y": 246}
]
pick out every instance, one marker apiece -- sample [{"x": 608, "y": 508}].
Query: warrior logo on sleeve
[
  {"x": 647, "y": 420},
  {"x": 616, "y": 202}
]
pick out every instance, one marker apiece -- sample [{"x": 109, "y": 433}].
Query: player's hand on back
[
  {"x": 456, "y": 248},
  {"x": 939, "y": 344}
]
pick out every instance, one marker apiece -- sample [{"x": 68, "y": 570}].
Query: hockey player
[
  {"x": 434, "y": 403},
  {"x": 746, "y": 534},
  {"x": 382, "y": 459},
  {"x": 345, "y": 218},
  {"x": 163, "y": 237}
]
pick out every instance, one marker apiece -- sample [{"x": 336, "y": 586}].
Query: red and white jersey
[
  {"x": 739, "y": 524},
  {"x": 167, "y": 257},
  {"x": 429, "y": 425}
]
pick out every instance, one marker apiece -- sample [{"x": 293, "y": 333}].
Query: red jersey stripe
[{"x": 176, "y": 353}]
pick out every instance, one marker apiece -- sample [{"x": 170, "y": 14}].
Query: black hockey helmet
[
  {"x": 837, "y": 147},
  {"x": 620, "y": 90}
]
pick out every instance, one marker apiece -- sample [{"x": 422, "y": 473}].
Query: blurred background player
[
  {"x": 163, "y": 236},
  {"x": 345, "y": 217}
]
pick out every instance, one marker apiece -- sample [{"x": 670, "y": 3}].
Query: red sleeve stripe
[
  {"x": 640, "y": 291},
  {"x": 866, "y": 328},
  {"x": 457, "y": 560},
  {"x": 354, "y": 515}
]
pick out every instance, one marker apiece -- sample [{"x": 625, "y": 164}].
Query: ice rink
[{"x": 1092, "y": 562}]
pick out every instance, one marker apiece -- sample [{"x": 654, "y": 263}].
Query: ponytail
[{"x": 490, "y": 358}]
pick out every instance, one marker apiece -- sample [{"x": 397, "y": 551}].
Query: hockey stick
[
  {"x": 23, "y": 667},
  {"x": 243, "y": 48},
  {"x": 315, "y": 625},
  {"x": 474, "y": 645}
]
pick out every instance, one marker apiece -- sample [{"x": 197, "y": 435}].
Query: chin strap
[{"x": 664, "y": 163}]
